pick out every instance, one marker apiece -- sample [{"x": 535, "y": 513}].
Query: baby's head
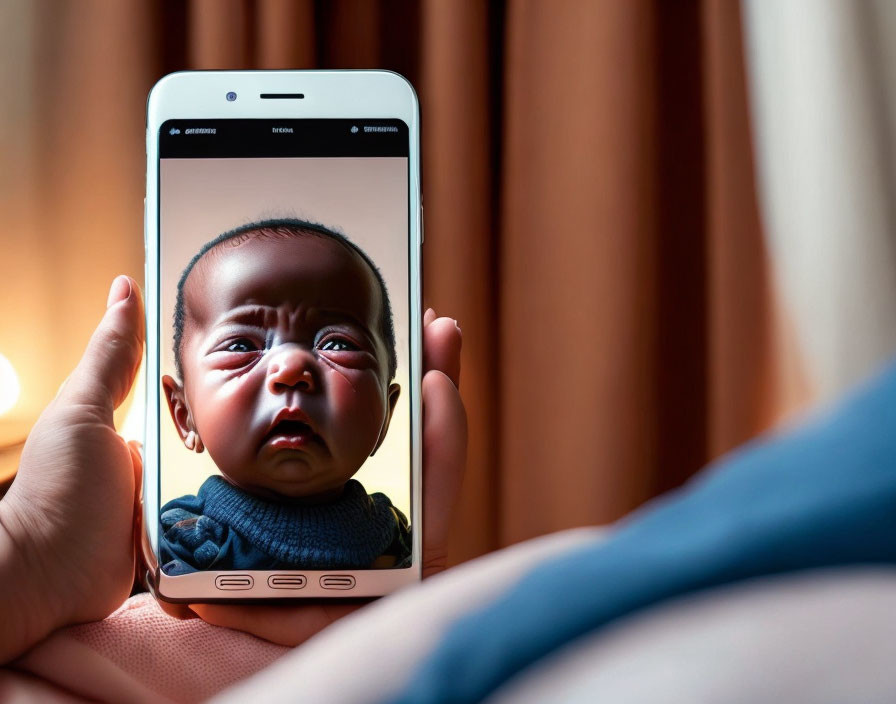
[{"x": 284, "y": 346}]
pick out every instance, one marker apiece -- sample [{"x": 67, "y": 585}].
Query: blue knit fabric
[
  {"x": 818, "y": 496},
  {"x": 223, "y": 527}
]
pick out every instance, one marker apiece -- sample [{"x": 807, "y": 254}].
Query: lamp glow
[{"x": 9, "y": 385}]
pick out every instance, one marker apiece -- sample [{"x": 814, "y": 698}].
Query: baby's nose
[{"x": 291, "y": 367}]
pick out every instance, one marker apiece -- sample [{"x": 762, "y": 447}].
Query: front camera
[{"x": 231, "y": 96}]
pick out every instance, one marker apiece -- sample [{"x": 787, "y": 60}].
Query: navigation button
[
  {"x": 287, "y": 581},
  {"x": 337, "y": 581},
  {"x": 233, "y": 582}
]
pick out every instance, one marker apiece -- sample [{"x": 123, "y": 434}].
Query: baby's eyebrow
[
  {"x": 261, "y": 316},
  {"x": 246, "y": 315},
  {"x": 335, "y": 314}
]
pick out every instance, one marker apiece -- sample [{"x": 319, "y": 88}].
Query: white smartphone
[{"x": 283, "y": 289}]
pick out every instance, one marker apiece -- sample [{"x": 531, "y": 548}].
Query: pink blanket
[{"x": 140, "y": 654}]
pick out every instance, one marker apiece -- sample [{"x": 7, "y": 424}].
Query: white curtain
[{"x": 822, "y": 77}]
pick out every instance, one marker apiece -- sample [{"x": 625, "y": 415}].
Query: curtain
[
  {"x": 639, "y": 332},
  {"x": 823, "y": 86},
  {"x": 590, "y": 207}
]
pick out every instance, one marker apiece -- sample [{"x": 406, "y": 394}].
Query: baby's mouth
[{"x": 291, "y": 435}]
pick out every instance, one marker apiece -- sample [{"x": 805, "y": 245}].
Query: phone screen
[{"x": 285, "y": 428}]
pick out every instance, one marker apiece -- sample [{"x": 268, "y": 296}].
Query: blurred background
[{"x": 664, "y": 226}]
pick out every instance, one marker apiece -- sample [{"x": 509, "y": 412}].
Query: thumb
[
  {"x": 106, "y": 372},
  {"x": 444, "y": 457}
]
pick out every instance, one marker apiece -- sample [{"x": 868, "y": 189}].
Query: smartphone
[{"x": 283, "y": 286}]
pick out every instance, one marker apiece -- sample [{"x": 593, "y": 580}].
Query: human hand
[
  {"x": 444, "y": 454},
  {"x": 66, "y": 524}
]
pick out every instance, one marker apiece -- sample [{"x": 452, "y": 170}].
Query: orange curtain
[{"x": 590, "y": 210}]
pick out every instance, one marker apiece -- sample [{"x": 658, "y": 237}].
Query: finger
[
  {"x": 106, "y": 372},
  {"x": 429, "y": 316},
  {"x": 444, "y": 458},
  {"x": 442, "y": 342},
  {"x": 285, "y": 625}
]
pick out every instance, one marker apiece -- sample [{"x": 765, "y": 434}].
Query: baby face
[{"x": 285, "y": 368}]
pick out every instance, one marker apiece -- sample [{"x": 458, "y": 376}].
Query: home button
[{"x": 337, "y": 581}]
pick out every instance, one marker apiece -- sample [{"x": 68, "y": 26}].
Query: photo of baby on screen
[{"x": 285, "y": 356}]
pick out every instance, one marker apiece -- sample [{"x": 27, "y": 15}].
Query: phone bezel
[{"x": 327, "y": 94}]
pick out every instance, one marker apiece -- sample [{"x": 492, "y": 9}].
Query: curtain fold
[
  {"x": 590, "y": 216},
  {"x": 745, "y": 393},
  {"x": 578, "y": 285},
  {"x": 460, "y": 196}
]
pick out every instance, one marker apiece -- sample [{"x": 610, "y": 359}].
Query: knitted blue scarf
[{"x": 223, "y": 527}]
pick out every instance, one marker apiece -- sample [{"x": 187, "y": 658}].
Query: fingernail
[
  {"x": 457, "y": 326},
  {"x": 120, "y": 290}
]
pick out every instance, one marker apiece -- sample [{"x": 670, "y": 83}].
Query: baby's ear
[
  {"x": 394, "y": 393},
  {"x": 177, "y": 406}
]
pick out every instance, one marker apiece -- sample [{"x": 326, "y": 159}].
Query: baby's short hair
[{"x": 283, "y": 227}]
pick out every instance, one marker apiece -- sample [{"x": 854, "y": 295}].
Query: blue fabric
[
  {"x": 820, "y": 495},
  {"x": 225, "y": 528}
]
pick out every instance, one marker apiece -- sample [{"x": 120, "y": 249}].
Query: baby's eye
[
  {"x": 243, "y": 344},
  {"x": 338, "y": 344}
]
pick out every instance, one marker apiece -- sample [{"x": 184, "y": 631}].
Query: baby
[{"x": 284, "y": 346}]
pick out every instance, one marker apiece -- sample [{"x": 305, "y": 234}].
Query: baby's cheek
[
  {"x": 357, "y": 403},
  {"x": 226, "y": 412}
]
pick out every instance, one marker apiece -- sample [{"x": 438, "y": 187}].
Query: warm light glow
[
  {"x": 135, "y": 421},
  {"x": 9, "y": 385}
]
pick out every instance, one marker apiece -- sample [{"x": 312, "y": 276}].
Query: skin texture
[
  {"x": 67, "y": 523},
  {"x": 277, "y": 324}
]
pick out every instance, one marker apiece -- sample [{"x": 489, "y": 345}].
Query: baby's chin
[{"x": 291, "y": 482}]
